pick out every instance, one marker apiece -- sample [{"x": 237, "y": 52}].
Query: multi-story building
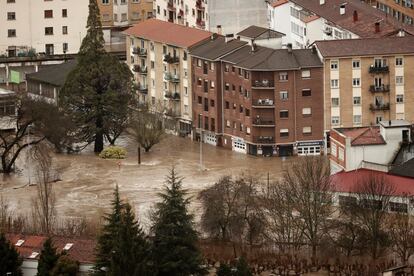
[
  {"x": 402, "y": 10},
  {"x": 50, "y": 27},
  {"x": 157, "y": 53},
  {"x": 306, "y": 21},
  {"x": 258, "y": 100},
  {"x": 117, "y": 15},
  {"x": 367, "y": 80},
  {"x": 227, "y": 17},
  {"x": 8, "y": 101}
]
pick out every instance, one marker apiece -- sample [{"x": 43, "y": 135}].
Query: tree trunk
[
  {"x": 139, "y": 155},
  {"x": 99, "y": 136}
]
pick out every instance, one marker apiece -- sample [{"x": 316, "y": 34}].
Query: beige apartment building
[
  {"x": 367, "y": 81},
  {"x": 402, "y": 10},
  {"x": 157, "y": 53}
]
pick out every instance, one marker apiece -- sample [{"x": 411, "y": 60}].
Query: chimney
[
  {"x": 342, "y": 9},
  {"x": 289, "y": 47},
  {"x": 229, "y": 37},
  {"x": 219, "y": 29},
  {"x": 355, "y": 16},
  {"x": 377, "y": 27},
  {"x": 321, "y": 2},
  {"x": 254, "y": 46},
  {"x": 401, "y": 33}
]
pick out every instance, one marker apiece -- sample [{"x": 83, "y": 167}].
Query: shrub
[{"x": 113, "y": 152}]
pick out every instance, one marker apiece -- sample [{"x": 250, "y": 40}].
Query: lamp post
[{"x": 29, "y": 159}]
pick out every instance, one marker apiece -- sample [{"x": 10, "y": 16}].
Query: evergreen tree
[
  {"x": 48, "y": 259},
  {"x": 65, "y": 267},
  {"x": 242, "y": 268},
  {"x": 174, "y": 248},
  {"x": 97, "y": 93},
  {"x": 107, "y": 239},
  {"x": 132, "y": 250},
  {"x": 224, "y": 270},
  {"x": 9, "y": 258}
]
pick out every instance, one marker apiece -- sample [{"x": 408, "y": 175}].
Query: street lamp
[{"x": 29, "y": 156}]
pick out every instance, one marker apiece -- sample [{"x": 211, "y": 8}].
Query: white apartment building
[
  {"x": 306, "y": 21},
  {"x": 51, "y": 27},
  {"x": 227, "y": 17}
]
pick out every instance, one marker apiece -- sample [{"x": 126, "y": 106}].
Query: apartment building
[
  {"x": 367, "y": 80},
  {"x": 117, "y": 15},
  {"x": 306, "y": 21},
  {"x": 227, "y": 17},
  {"x": 157, "y": 53},
  {"x": 50, "y": 27},
  {"x": 401, "y": 10}
]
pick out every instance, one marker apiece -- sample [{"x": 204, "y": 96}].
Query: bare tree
[
  {"x": 401, "y": 232},
  {"x": 45, "y": 200},
  {"x": 373, "y": 193},
  {"x": 5, "y": 215},
  {"x": 308, "y": 184}
]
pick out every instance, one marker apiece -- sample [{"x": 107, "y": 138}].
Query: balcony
[
  {"x": 174, "y": 96},
  {"x": 143, "y": 70},
  {"x": 264, "y": 139},
  {"x": 172, "y": 113},
  {"x": 172, "y": 78},
  {"x": 379, "y": 107},
  {"x": 171, "y": 59},
  {"x": 379, "y": 69},
  {"x": 199, "y": 5},
  {"x": 142, "y": 52},
  {"x": 263, "y": 84},
  {"x": 260, "y": 122},
  {"x": 171, "y": 6},
  {"x": 379, "y": 89},
  {"x": 263, "y": 103},
  {"x": 141, "y": 88},
  {"x": 135, "y": 50},
  {"x": 200, "y": 23}
]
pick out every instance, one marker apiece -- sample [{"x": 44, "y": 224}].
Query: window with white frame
[
  {"x": 306, "y": 111},
  {"x": 283, "y": 76},
  {"x": 356, "y": 82},
  {"x": 341, "y": 154},
  {"x": 357, "y": 119},
  {"x": 399, "y": 61},
  {"x": 356, "y": 64},
  {"x": 399, "y": 80},
  {"x": 306, "y": 74},
  {"x": 334, "y": 149},
  {"x": 334, "y": 83},
  {"x": 283, "y": 95},
  {"x": 334, "y": 65},
  {"x": 335, "y": 102},
  {"x": 400, "y": 98},
  {"x": 357, "y": 100},
  {"x": 335, "y": 120},
  {"x": 307, "y": 130}
]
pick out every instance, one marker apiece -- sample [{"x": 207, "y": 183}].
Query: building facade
[
  {"x": 367, "y": 81},
  {"x": 50, "y": 27},
  {"x": 401, "y": 10},
  {"x": 306, "y": 21},
  {"x": 157, "y": 53},
  {"x": 227, "y": 17}
]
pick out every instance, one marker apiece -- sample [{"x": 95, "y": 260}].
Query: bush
[{"x": 113, "y": 152}]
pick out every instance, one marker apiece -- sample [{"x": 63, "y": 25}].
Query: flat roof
[
  {"x": 54, "y": 74},
  {"x": 215, "y": 48},
  {"x": 395, "y": 123}
]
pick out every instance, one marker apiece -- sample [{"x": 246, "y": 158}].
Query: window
[
  {"x": 200, "y": 100},
  {"x": 240, "y": 72},
  {"x": 356, "y": 64},
  {"x": 247, "y": 130},
  {"x": 307, "y": 130},
  {"x": 400, "y": 98},
  {"x": 65, "y": 47},
  {"x": 212, "y": 103},
  {"x": 357, "y": 100},
  {"x": 398, "y": 207},
  {"x": 226, "y": 68},
  {"x": 399, "y": 80},
  {"x": 284, "y": 114},
  {"x": 105, "y": 2},
  {"x": 399, "y": 61},
  {"x": 64, "y": 30},
  {"x": 341, "y": 154},
  {"x": 334, "y": 65},
  {"x": 64, "y": 13},
  {"x": 11, "y": 1},
  {"x": 49, "y": 31},
  {"x": 335, "y": 120},
  {"x": 234, "y": 106},
  {"x": 227, "y": 105},
  {"x": 306, "y": 111},
  {"x": 211, "y": 84},
  {"x": 48, "y": 13},
  {"x": 306, "y": 93},
  {"x": 335, "y": 83},
  {"x": 247, "y": 112},
  {"x": 284, "y": 132},
  {"x": 283, "y": 76},
  {"x": 335, "y": 102},
  {"x": 11, "y": 32},
  {"x": 356, "y": 82},
  {"x": 306, "y": 74},
  {"x": 357, "y": 119},
  {"x": 227, "y": 123},
  {"x": 241, "y": 108},
  {"x": 11, "y": 16},
  {"x": 198, "y": 60},
  {"x": 333, "y": 149},
  {"x": 283, "y": 95},
  {"x": 211, "y": 66},
  {"x": 227, "y": 86}
]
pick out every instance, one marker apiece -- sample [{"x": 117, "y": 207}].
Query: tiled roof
[
  {"x": 366, "y": 47},
  {"x": 83, "y": 250},
  {"x": 363, "y": 136},
  {"x": 266, "y": 59},
  {"x": 168, "y": 33},
  {"x": 405, "y": 169},
  {"x": 367, "y": 17},
  {"x": 256, "y": 31},
  {"x": 347, "y": 182},
  {"x": 216, "y": 48},
  {"x": 53, "y": 74},
  {"x": 279, "y": 3}
]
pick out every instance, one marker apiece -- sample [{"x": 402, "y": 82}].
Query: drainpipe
[
  {"x": 222, "y": 99},
  {"x": 294, "y": 101}
]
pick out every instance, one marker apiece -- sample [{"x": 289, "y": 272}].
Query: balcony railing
[
  {"x": 377, "y": 69},
  {"x": 142, "y": 52},
  {"x": 263, "y": 84},
  {"x": 143, "y": 70},
  {"x": 171, "y": 59},
  {"x": 172, "y": 78},
  {"x": 171, "y": 6},
  {"x": 263, "y": 103},
  {"x": 200, "y": 23},
  {"x": 135, "y": 50},
  {"x": 379, "y": 89},
  {"x": 141, "y": 88},
  {"x": 379, "y": 107},
  {"x": 199, "y": 5},
  {"x": 172, "y": 95},
  {"x": 263, "y": 123},
  {"x": 172, "y": 113},
  {"x": 264, "y": 139}
]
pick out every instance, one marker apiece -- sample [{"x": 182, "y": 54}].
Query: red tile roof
[
  {"x": 83, "y": 250},
  {"x": 168, "y": 33},
  {"x": 363, "y": 136},
  {"x": 347, "y": 182},
  {"x": 279, "y": 3}
]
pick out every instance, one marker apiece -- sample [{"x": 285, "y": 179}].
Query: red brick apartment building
[{"x": 258, "y": 100}]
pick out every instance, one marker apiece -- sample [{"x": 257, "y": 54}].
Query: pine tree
[
  {"x": 97, "y": 93},
  {"x": 107, "y": 239},
  {"x": 48, "y": 258},
  {"x": 65, "y": 267},
  {"x": 132, "y": 250},
  {"x": 174, "y": 248},
  {"x": 242, "y": 268},
  {"x": 9, "y": 258}
]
